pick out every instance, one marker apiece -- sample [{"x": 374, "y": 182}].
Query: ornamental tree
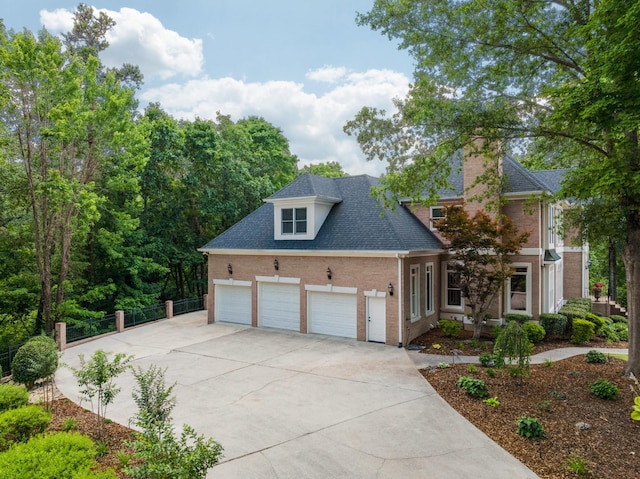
[
  {"x": 555, "y": 81},
  {"x": 481, "y": 250}
]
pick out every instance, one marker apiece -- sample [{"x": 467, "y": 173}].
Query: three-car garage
[{"x": 330, "y": 310}]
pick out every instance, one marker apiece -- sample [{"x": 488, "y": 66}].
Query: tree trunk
[
  {"x": 631, "y": 257},
  {"x": 613, "y": 292}
]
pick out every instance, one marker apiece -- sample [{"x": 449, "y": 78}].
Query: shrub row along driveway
[{"x": 288, "y": 405}]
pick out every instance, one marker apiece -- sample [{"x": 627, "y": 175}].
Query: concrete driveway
[{"x": 288, "y": 405}]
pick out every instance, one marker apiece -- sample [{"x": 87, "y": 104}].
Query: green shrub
[
  {"x": 59, "y": 455},
  {"x": 450, "y": 328},
  {"x": 576, "y": 464},
  {"x": 616, "y": 318},
  {"x": 584, "y": 303},
  {"x": 604, "y": 389},
  {"x": 573, "y": 312},
  {"x": 496, "y": 330},
  {"x": 530, "y": 427},
  {"x": 493, "y": 402},
  {"x": 595, "y": 357},
  {"x": 13, "y": 396},
  {"x": 583, "y": 331},
  {"x": 534, "y": 331},
  {"x": 18, "y": 425},
  {"x": 475, "y": 387},
  {"x": 514, "y": 345},
  {"x": 517, "y": 317},
  {"x": 488, "y": 360},
  {"x": 554, "y": 324},
  {"x": 96, "y": 379},
  {"x": 36, "y": 359},
  {"x": 622, "y": 330},
  {"x": 609, "y": 333},
  {"x": 598, "y": 321},
  {"x": 158, "y": 453}
]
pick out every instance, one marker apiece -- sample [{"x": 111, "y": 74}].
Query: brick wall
[{"x": 364, "y": 273}]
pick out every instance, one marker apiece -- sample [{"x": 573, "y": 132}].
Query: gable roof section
[
  {"x": 354, "y": 224},
  {"x": 519, "y": 178},
  {"x": 308, "y": 185}
]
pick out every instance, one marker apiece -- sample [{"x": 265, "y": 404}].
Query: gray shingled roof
[
  {"x": 354, "y": 224},
  {"x": 519, "y": 179}
]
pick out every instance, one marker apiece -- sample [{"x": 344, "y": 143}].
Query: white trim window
[
  {"x": 519, "y": 289},
  {"x": 559, "y": 283},
  {"x": 452, "y": 290},
  {"x": 294, "y": 221},
  {"x": 435, "y": 213},
  {"x": 552, "y": 226},
  {"x": 429, "y": 307},
  {"x": 414, "y": 291}
]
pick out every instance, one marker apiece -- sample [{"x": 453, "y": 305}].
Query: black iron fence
[
  {"x": 183, "y": 306},
  {"x": 145, "y": 315},
  {"x": 106, "y": 324},
  {"x": 6, "y": 358},
  {"x": 91, "y": 327}
]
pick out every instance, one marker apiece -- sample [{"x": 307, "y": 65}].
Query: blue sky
[{"x": 305, "y": 66}]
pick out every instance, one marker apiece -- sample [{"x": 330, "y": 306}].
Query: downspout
[{"x": 400, "y": 289}]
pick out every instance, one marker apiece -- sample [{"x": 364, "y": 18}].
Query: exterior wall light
[
  {"x": 390, "y": 289},
  {"x": 229, "y": 268},
  {"x": 329, "y": 274},
  {"x": 276, "y": 265}
]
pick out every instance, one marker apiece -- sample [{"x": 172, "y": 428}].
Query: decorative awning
[{"x": 550, "y": 256}]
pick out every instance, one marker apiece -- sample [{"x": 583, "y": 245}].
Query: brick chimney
[{"x": 482, "y": 176}]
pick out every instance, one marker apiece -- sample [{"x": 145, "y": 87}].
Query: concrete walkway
[
  {"x": 430, "y": 360},
  {"x": 288, "y": 405}
]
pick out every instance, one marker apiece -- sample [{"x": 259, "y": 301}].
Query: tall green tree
[
  {"x": 551, "y": 79},
  {"x": 330, "y": 169},
  {"x": 64, "y": 119},
  {"x": 202, "y": 177}
]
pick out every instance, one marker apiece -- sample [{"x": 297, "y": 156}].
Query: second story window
[
  {"x": 294, "y": 221},
  {"x": 436, "y": 213}
]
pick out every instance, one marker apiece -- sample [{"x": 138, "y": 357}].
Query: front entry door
[{"x": 376, "y": 319}]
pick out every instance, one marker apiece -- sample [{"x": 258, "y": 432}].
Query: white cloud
[
  {"x": 140, "y": 38},
  {"x": 327, "y": 74},
  {"x": 312, "y": 123}
]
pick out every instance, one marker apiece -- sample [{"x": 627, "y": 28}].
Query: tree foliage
[
  {"x": 160, "y": 453},
  {"x": 102, "y": 208},
  {"x": 553, "y": 81},
  {"x": 65, "y": 118},
  {"x": 330, "y": 169},
  {"x": 481, "y": 250}
]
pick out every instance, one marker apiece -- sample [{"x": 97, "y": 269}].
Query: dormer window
[{"x": 294, "y": 221}]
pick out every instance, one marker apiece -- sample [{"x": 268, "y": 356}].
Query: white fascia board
[{"x": 329, "y": 253}]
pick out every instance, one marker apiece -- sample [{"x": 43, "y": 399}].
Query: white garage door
[
  {"x": 333, "y": 313},
  {"x": 233, "y": 304},
  {"x": 279, "y": 306}
]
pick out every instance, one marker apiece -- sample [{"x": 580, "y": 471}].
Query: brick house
[{"x": 322, "y": 256}]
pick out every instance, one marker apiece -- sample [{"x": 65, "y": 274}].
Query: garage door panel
[
  {"x": 333, "y": 314},
  {"x": 233, "y": 304},
  {"x": 280, "y": 306}
]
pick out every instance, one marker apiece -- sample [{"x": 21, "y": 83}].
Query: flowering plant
[{"x": 598, "y": 285}]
